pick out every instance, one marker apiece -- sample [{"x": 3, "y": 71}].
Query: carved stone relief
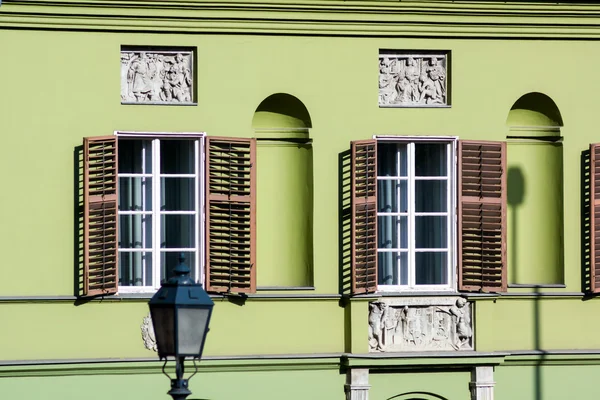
[
  {"x": 420, "y": 324},
  {"x": 413, "y": 80},
  {"x": 148, "y": 333},
  {"x": 162, "y": 77}
]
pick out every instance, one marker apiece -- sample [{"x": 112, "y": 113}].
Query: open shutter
[
  {"x": 230, "y": 215},
  {"x": 364, "y": 216},
  {"x": 595, "y": 217},
  {"x": 482, "y": 216},
  {"x": 100, "y": 216}
]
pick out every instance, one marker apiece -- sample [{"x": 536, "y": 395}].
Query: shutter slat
[
  {"x": 595, "y": 218},
  {"x": 100, "y": 216},
  {"x": 231, "y": 215},
  {"x": 482, "y": 216},
  {"x": 364, "y": 216}
]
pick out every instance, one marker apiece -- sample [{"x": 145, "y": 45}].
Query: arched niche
[
  {"x": 281, "y": 126},
  {"x": 417, "y": 396},
  {"x": 281, "y": 114},
  {"x": 535, "y": 191},
  {"x": 533, "y": 112}
]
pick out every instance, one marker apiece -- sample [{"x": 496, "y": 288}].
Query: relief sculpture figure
[
  {"x": 428, "y": 324},
  {"x": 138, "y": 77},
  {"x": 376, "y": 326},
  {"x": 460, "y": 315},
  {"x": 156, "y": 77},
  {"x": 412, "y": 81}
]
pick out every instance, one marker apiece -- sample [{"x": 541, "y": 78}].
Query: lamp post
[{"x": 181, "y": 312}]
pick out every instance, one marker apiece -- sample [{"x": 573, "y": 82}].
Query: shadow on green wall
[
  {"x": 281, "y": 110},
  {"x": 515, "y": 197},
  {"x": 534, "y": 109},
  {"x": 344, "y": 222},
  {"x": 586, "y": 233}
]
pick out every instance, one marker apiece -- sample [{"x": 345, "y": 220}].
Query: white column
[
  {"x": 357, "y": 384},
  {"x": 482, "y": 383}
]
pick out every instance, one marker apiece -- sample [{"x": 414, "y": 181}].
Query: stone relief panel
[
  {"x": 420, "y": 324},
  {"x": 157, "y": 77},
  {"x": 413, "y": 80},
  {"x": 148, "y": 333}
]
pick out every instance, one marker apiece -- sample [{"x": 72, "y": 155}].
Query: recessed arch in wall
[
  {"x": 535, "y": 192},
  {"x": 281, "y": 124},
  {"x": 534, "y": 109},
  {"x": 281, "y": 114}
]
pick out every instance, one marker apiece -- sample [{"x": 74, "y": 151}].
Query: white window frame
[
  {"x": 452, "y": 209},
  {"x": 200, "y": 220}
]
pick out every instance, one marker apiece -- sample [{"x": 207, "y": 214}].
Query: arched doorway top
[
  {"x": 534, "y": 110},
  {"x": 417, "y": 396},
  {"x": 281, "y": 111}
]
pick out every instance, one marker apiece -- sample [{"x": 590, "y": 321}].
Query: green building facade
[{"x": 423, "y": 84}]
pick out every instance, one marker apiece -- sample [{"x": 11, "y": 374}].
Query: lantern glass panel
[
  {"x": 192, "y": 329},
  {"x": 164, "y": 325}
]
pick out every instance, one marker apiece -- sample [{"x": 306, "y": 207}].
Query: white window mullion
[
  {"x": 411, "y": 216},
  {"x": 144, "y": 217},
  {"x": 197, "y": 217},
  {"x": 156, "y": 266},
  {"x": 450, "y": 237}
]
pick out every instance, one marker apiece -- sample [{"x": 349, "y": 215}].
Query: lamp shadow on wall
[{"x": 515, "y": 198}]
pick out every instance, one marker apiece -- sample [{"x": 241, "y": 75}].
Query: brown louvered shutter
[
  {"x": 230, "y": 215},
  {"x": 100, "y": 216},
  {"x": 364, "y": 216},
  {"x": 595, "y": 217},
  {"x": 482, "y": 216}
]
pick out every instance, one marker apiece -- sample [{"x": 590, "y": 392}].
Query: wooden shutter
[
  {"x": 364, "y": 216},
  {"x": 100, "y": 216},
  {"x": 230, "y": 215},
  {"x": 595, "y": 217},
  {"x": 482, "y": 216}
]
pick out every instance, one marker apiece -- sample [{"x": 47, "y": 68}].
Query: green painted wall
[
  {"x": 546, "y": 382},
  {"x": 60, "y": 86},
  {"x": 284, "y": 213},
  {"x": 535, "y": 208},
  {"x": 112, "y": 329},
  {"x": 291, "y": 385}
]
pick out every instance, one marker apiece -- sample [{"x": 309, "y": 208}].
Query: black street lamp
[{"x": 181, "y": 312}]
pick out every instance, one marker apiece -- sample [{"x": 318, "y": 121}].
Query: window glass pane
[
  {"x": 387, "y": 273},
  {"x": 430, "y": 232},
  {"x": 391, "y": 159},
  {"x": 178, "y": 231},
  {"x": 177, "y": 157},
  {"x": 431, "y": 196},
  {"x": 135, "y": 268},
  {"x": 135, "y": 231},
  {"x": 392, "y": 232},
  {"x": 135, "y": 156},
  {"x": 177, "y": 194},
  {"x": 392, "y": 268},
  {"x": 170, "y": 259},
  {"x": 135, "y": 194},
  {"x": 430, "y": 159},
  {"x": 392, "y": 195},
  {"x": 431, "y": 268}
]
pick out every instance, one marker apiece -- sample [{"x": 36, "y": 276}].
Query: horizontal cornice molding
[
  {"x": 319, "y": 361},
  {"x": 332, "y": 18}
]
